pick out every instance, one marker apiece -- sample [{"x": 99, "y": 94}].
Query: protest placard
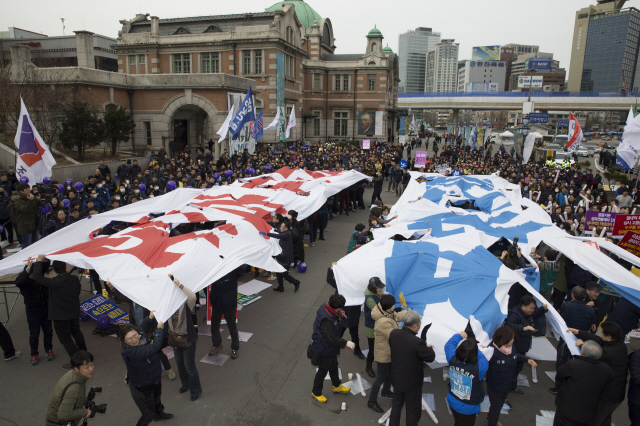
[
  {"x": 626, "y": 222},
  {"x": 631, "y": 243},
  {"x": 443, "y": 168},
  {"x": 599, "y": 220},
  {"x": 99, "y": 305},
  {"x": 366, "y": 144},
  {"x": 421, "y": 159}
]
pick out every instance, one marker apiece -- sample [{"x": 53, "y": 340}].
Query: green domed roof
[
  {"x": 375, "y": 33},
  {"x": 305, "y": 13},
  {"x": 387, "y": 50}
]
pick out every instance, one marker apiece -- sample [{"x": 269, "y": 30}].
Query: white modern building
[
  {"x": 481, "y": 76},
  {"x": 442, "y": 67},
  {"x": 414, "y": 46}
]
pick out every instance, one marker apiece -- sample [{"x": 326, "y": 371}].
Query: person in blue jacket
[
  {"x": 144, "y": 368},
  {"x": 467, "y": 367},
  {"x": 502, "y": 376}
]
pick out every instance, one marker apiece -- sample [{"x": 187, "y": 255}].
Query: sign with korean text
[
  {"x": 605, "y": 288},
  {"x": 538, "y": 117},
  {"x": 631, "y": 243},
  {"x": 626, "y": 222},
  {"x": 99, "y": 305},
  {"x": 366, "y": 143},
  {"x": 443, "y": 168},
  {"x": 599, "y": 220},
  {"x": 421, "y": 158}
]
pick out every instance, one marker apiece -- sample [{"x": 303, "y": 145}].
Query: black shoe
[
  {"x": 386, "y": 394},
  {"x": 359, "y": 354},
  {"x": 162, "y": 416},
  {"x": 280, "y": 289},
  {"x": 183, "y": 390},
  {"x": 553, "y": 390},
  {"x": 193, "y": 398},
  {"x": 518, "y": 392},
  {"x": 296, "y": 286},
  {"x": 374, "y": 406},
  {"x": 509, "y": 404},
  {"x": 322, "y": 238}
]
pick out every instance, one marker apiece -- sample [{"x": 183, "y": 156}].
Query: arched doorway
[{"x": 190, "y": 119}]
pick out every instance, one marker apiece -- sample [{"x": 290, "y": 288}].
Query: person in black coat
[
  {"x": 144, "y": 369},
  {"x": 286, "y": 257},
  {"x": 615, "y": 355},
  {"x": 36, "y": 302},
  {"x": 325, "y": 346},
  {"x": 625, "y": 314},
  {"x": 578, "y": 316},
  {"x": 584, "y": 380},
  {"x": 297, "y": 237},
  {"x": 502, "y": 376},
  {"x": 633, "y": 397},
  {"x": 408, "y": 355},
  {"x": 521, "y": 319},
  {"x": 223, "y": 297},
  {"x": 576, "y": 276},
  {"x": 64, "y": 304}
]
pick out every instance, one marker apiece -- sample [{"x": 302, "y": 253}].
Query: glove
[
  {"x": 351, "y": 345},
  {"x": 398, "y": 309},
  {"x": 423, "y": 335},
  {"x": 262, "y": 233}
]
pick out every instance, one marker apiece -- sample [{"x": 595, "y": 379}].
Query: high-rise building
[
  {"x": 414, "y": 46},
  {"x": 510, "y": 51},
  {"x": 442, "y": 67},
  {"x": 537, "y": 64},
  {"x": 604, "y": 54},
  {"x": 481, "y": 76}
]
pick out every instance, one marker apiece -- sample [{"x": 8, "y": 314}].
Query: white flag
[
  {"x": 275, "y": 122},
  {"x": 34, "y": 159},
  {"x": 292, "y": 121},
  {"x": 413, "y": 123},
  {"x": 225, "y": 126}
]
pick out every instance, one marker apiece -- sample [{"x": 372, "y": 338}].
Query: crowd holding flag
[
  {"x": 256, "y": 130},
  {"x": 292, "y": 122},
  {"x": 245, "y": 114},
  {"x": 575, "y": 133},
  {"x": 34, "y": 161}
]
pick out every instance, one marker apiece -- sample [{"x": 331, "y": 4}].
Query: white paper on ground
[
  {"x": 168, "y": 352},
  {"x": 327, "y": 377},
  {"x": 430, "y": 399},
  {"x": 355, "y": 386},
  {"x": 548, "y": 414},
  {"x": 427, "y": 380},
  {"x": 552, "y": 375},
  {"x": 543, "y": 421},
  {"x": 242, "y": 336},
  {"x": 217, "y": 359},
  {"x": 523, "y": 381},
  {"x": 253, "y": 287},
  {"x": 484, "y": 406},
  {"x": 240, "y": 307},
  {"x": 542, "y": 350}
]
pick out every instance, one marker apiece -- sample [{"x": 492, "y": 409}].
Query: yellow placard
[
  {"x": 635, "y": 271},
  {"x": 402, "y": 301}
]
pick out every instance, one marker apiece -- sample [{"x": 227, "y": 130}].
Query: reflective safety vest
[
  {"x": 566, "y": 163},
  {"x": 551, "y": 163}
]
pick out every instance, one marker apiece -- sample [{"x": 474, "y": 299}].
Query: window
[
  {"x": 289, "y": 35},
  {"x": 316, "y": 123},
  {"x": 246, "y": 62},
  {"x": 210, "y": 62},
  {"x": 257, "y": 58},
  {"x": 147, "y": 131},
  {"x": 288, "y": 114},
  {"x": 141, "y": 59},
  {"x": 289, "y": 66},
  {"x": 345, "y": 83},
  {"x": 182, "y": 63},
  {"x": 374, "y": 47},
  {"x": 340, "y": 123},
  {"x": 338, "y": 79},
  {"x": 316, "y": 82},
  {"x": 372, "y": 82},
  {"x": 132, "y": 59},
  {"x": 213, "y": 29}
]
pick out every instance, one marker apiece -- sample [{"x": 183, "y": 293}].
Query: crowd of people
[{"x": 52, "y": 294}]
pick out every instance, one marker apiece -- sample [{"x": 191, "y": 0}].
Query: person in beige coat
[{"x": 386, "y": 320}]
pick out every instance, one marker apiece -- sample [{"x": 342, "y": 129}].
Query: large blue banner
[
  {"x": 246, "y": 114},
  {"x": 280, "y": 94},
  {"x": 540, "y": 64}
]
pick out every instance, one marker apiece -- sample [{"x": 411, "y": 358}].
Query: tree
[
  {"x": 118, "y": 126},
  {"x": 81, "y": 128},
  {"x": 614, "y": 174}
]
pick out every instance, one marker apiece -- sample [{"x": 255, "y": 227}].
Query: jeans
[
  {"x": 281, "y": 276},
  {"x": 230, "y": 316},
  {"x": 148, "y": 402},
  {"x": 29, "y": 239},
  {"x": 414, "y": 407},
  {"x": 6, "y": 343},
  {"x": 36, "y": 322},
  {"x": 383, "y": 378},
  {"x": 319, "y": 379},
  {"x": 496, "y": 399},
  {"x": 65, "y": 330},
  {"x": 186, "y": 361}
]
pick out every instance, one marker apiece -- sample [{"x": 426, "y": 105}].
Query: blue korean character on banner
[
  {"x": 456, "y": 172},
  {"x": 403, "y": 164}
]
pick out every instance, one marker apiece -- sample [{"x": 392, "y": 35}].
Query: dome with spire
[
  {"x": 387, "y": 50},
  {"x": 305, "y": 13},
  {"x": 375, "y": 33}
]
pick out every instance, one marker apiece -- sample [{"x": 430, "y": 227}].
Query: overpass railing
[{"x": 521, "y": 94}]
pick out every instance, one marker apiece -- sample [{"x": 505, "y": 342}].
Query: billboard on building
[
  {"x": 525, "y": 81},
  {"x": 482, "y": 87},
  {"x": 539, "y": 63},
  {"x": 485, "y": 53},
  {"x": 367, "y": 123}
]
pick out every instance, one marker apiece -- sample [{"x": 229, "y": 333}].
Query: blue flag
[
  {"x": 257, "y": 128},
  {"x": 245, "y": 114}
]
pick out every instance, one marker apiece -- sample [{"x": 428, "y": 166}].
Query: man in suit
[{"x": 408, "y": 352}]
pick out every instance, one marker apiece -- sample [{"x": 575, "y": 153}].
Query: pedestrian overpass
[{"x": 544, "y": 101}]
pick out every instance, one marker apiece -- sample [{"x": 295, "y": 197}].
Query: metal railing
[{"x": 520, "y": 94}]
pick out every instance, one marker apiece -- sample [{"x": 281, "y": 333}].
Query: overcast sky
[{"x": 547, "y": 23}]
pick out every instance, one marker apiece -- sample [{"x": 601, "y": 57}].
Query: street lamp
[
  {"x": 484, "y": 135},
  {"x": 525, "y": 132}
]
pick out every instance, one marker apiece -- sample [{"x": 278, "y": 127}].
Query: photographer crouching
[{"x": 69, "y": 404}]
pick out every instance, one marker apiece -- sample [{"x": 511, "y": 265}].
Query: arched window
[
  {"x": 374, "y": 47},
  {"x": 213, "y": 29},
  {"x": 182, "y": 30}
]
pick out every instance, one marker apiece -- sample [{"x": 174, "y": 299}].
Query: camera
[
  {"x": 513, "y": 249},
  {"x": 91, "y": 405}
]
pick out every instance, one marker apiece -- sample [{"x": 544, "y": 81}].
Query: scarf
[{"x": 331, "y": 310}]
